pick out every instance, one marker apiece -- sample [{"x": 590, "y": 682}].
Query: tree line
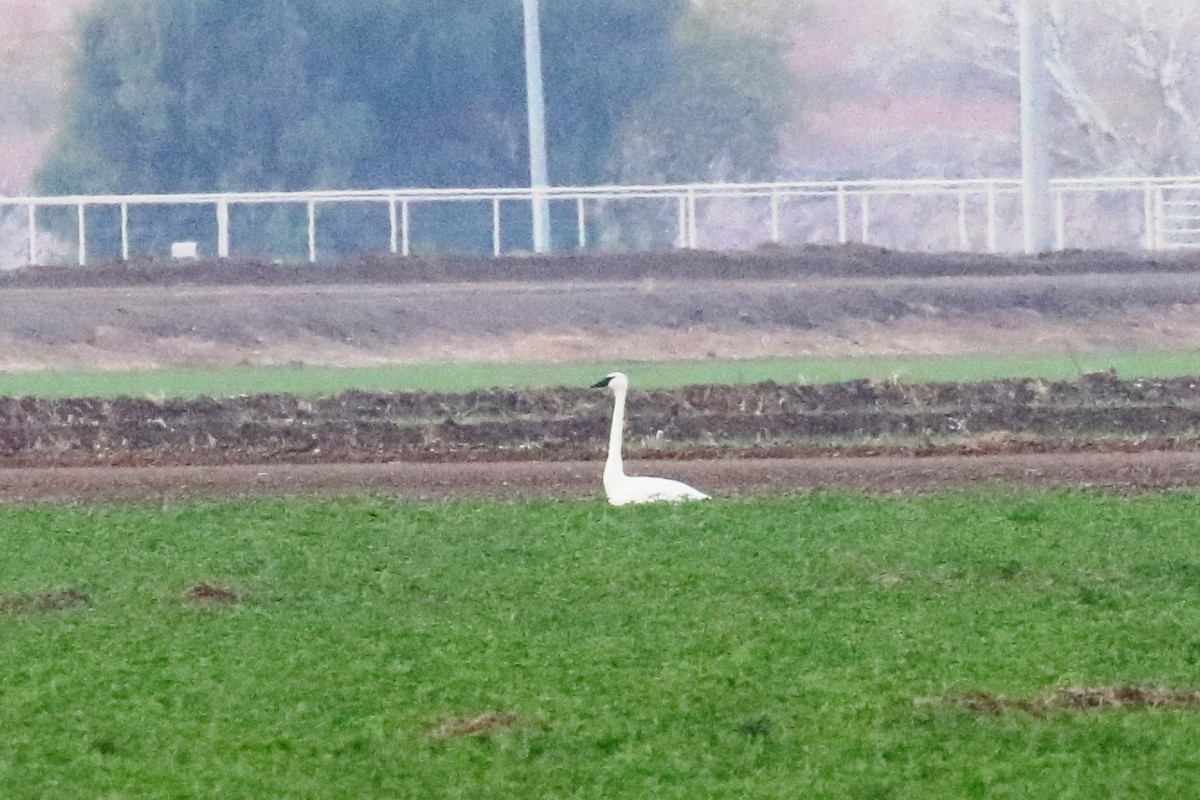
[{"x": 210, "y": 95}]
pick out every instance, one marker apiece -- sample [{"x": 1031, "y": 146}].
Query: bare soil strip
[
  {"x": 1145, "y": 471},
  {"x": 780, "y": 301},
  {"x": 1116, "y": 697},
  {"x": 1096, "y": 411},
  {"x": 58, "y": 600}
]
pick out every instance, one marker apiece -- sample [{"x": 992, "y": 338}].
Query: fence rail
[
  {"x": 1177, "y": 215},
  {"x": 1167, "y": 211}
]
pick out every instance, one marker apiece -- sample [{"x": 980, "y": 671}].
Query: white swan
[{"x": 623, "y": 489}]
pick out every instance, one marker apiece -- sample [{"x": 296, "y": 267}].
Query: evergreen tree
[{"x": 203, "y": 95}]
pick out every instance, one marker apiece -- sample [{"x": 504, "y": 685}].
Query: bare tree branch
[
  {"x": 1125, "y": 73},
  {"x": 1089, "y": 116}
]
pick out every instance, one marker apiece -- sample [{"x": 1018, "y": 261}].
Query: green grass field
[
  {"x": 311, "y": 381},
  {"x": 813, "y": 646}
]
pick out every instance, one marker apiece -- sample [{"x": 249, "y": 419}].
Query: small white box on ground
[{"x": 183, "y": 249}]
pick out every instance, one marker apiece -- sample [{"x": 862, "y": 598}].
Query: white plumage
[{"x": 623, "y": 489}]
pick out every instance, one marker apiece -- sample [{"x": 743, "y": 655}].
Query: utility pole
[
  {"x": 1035, "y": 112},
  {"x": 536, "y": 105}
]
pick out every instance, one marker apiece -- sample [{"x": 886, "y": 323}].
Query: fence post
[
  {"x": 82, "y": 236},
  {"x": 964, "y": 239},
  {"x": 691, "y": 207},
  {"x": 393, "y": 233},
  {"x": 581, "y": 223},
  {"x": 841, "y": 214},
  {"x": 991, "y": 217},
  {"x": 1160, "y": 228},
  {"x": 775, "y": 237},
  {"x": 865, "y": 205},
  {"x": 405, "y": 243},
  {"x": 495, "y": 226},
  {"x": 124, "y": 231},
  {"x": 1148, "y": 240},
  {"x": 1060, "y": 222},
  {"x": 223, "y": 228},
  {"x": 681, "y": 238},
  {"x": 312, "y": 231},
  {"x": 33, "y": 242}
]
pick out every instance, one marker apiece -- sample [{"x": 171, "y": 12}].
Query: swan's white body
[{"x": 623, "y": 489}]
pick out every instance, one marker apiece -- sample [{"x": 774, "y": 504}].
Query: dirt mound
[
  {"x": 477, "y": 726},
  {"x": 849, "y": 300},
  {"x": 58, "y": 600},
  {"x": 1099, "y": 698},
  {"x": 767, "y": 419},
  {"x": 766, "y": 263},
  {"x": 209, "y": 594}
]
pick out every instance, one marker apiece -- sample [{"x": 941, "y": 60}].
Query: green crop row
[{"x": 311, "y": 381}]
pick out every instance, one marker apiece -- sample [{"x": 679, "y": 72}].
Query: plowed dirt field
[{"x": 1096, "y": 430}]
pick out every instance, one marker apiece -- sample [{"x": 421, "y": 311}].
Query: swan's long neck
[{"x": 614, "y": 467}]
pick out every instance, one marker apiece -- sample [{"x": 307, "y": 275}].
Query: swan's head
[{"x": 617, "y": 381}]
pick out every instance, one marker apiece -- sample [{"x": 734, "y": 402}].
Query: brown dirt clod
[
  {"x": 59, "y": 600},
  {"x": 207, "y": 594},
  {"x": 1106, "y": 697},
  {"x": 1124, "y": 696},
  {"x": 479, "y": 725}
]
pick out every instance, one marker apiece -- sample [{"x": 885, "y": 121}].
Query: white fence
[
  {"x": 1177, "y": 216},
  {"x": 964, "y": 215}
]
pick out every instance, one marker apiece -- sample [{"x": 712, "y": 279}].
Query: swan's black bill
[{"x": 602, "y": 382}]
